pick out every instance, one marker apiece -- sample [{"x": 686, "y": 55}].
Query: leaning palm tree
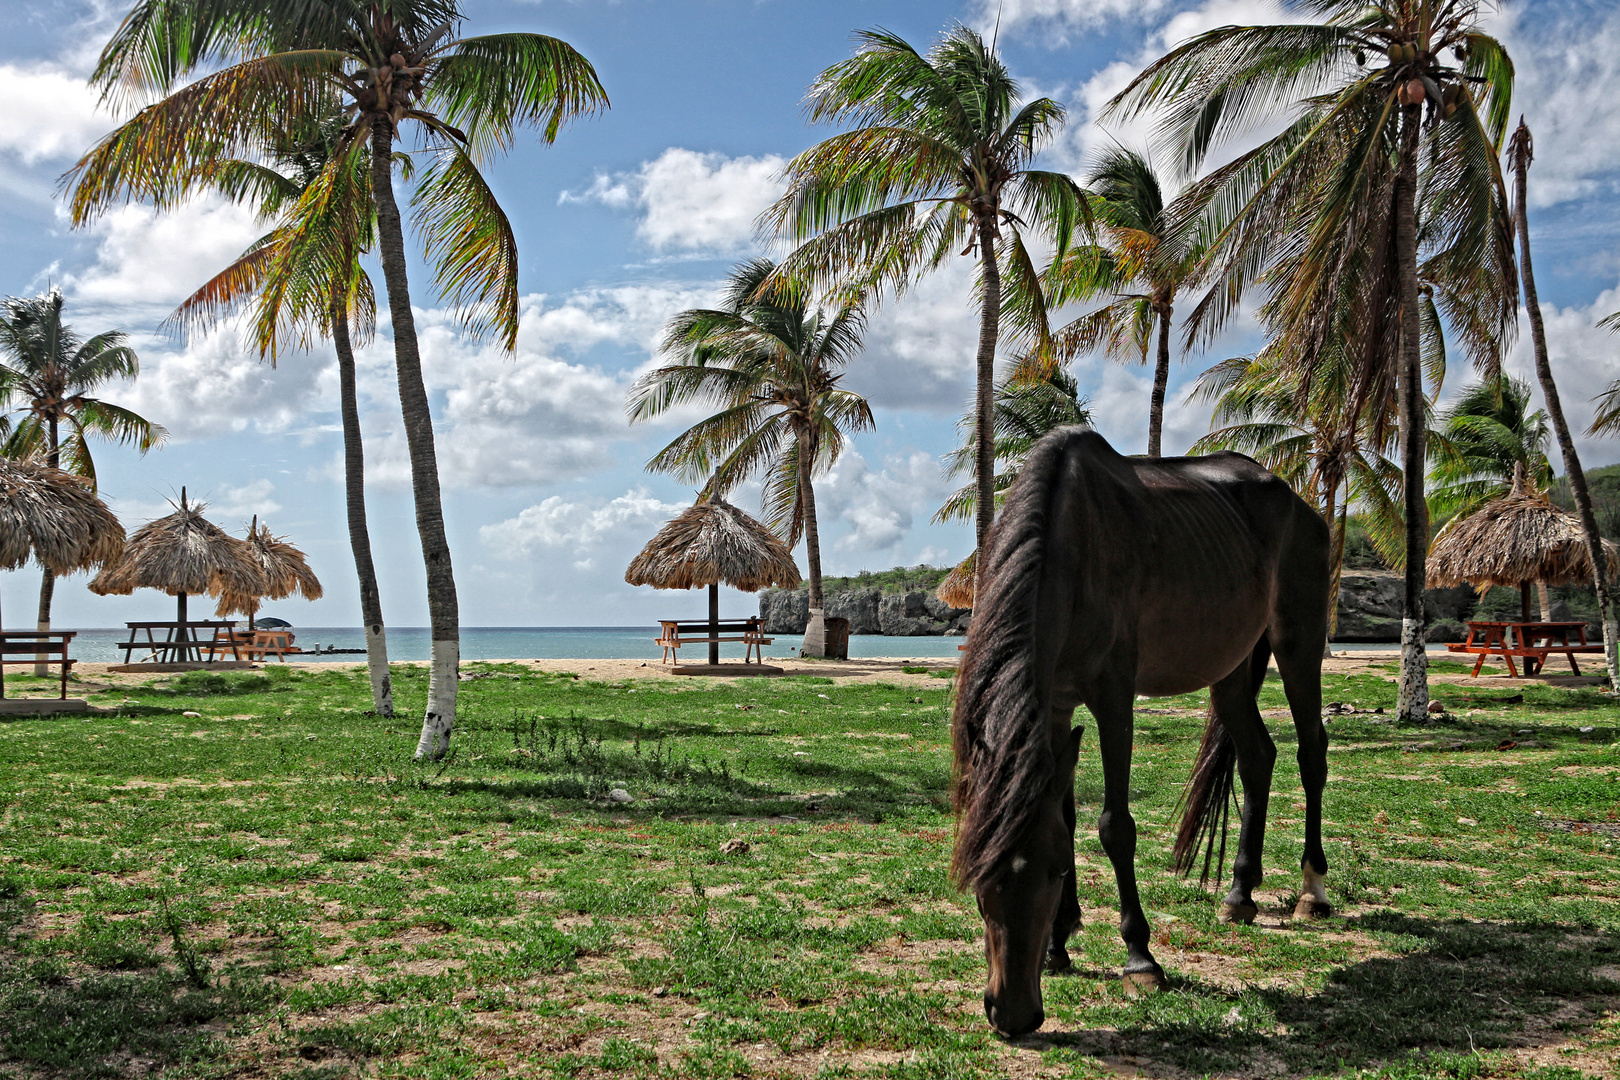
[
  {"x": 48, "y": 375},
  {"x": 772, "y": 367},
  {"x": 939, "y": 164},
  {"x": 382, "y": 64},
  {"x": 1137, "y": 262},
  {"x": 303, "y": 282},
  {"x": 1387, "y": 175},
  {"x": 1520, "y": 153},
  {"x": 1027, "y": 408}
]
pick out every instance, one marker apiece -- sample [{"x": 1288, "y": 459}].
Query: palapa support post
[{"x": 714, "y": 623}]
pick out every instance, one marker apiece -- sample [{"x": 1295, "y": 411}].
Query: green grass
[{"x": 273, "y": 888}]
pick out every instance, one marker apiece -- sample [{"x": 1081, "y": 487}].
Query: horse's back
[{"x": 1187, "y": 559}]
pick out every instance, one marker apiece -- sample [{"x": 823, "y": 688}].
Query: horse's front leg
[
  {"x": 1111, "y": 704},
  {"x": 1302, "y": 681},
  {"x": 1233, "y": 699},
  {"x": 1067, "y": 919}
]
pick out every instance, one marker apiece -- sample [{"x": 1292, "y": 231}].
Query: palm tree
[
  {"x": 1520, "y": 153},
  {"x": 49, "y": 377},
  {"x": 1333, "y": 458},
  {"x": 1489, "y": 444},
  {"x": 771, "y": 367},
  {"x": 938, "y": 164},
  {"x": 1387, "y": 176},
  {"x": 1026, "y": 409},
  {"x": 381, "y": 64},
  {"x": 1136, "y": 261},
  {"x": 305, "y": 281}
]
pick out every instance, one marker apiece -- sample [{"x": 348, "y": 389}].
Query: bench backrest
[
  {"x": 35, "y": 645},
  {"x": 723, "y": 626}
]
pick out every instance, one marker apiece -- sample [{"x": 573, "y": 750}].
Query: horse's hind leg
[
  {"x": 1233, "y": 699},
  {"x": 1301, "y": 669},
  {"x": 1111, "y": 704}
]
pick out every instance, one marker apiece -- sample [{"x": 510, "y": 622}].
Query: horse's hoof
[
  {"x": 1244, "y": 913},
  {"x": 1309, "y": 907},
  {"x": 1057, "y": 960},
  {"x": 1148, "y": 981}
]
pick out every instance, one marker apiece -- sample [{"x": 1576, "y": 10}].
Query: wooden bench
[
  {"x": 33, "y": 647},
  {"x": 674, "y": 633},
  {"x": 1532, "y": 642}
]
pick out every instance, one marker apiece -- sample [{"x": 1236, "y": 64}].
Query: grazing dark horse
[{"x": 1106, "y": 577}]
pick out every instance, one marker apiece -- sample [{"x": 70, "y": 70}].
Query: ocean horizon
[{"x": 97, "y": 644}]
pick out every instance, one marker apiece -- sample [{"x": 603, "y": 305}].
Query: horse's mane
[{"x": 1003, "y": 752}]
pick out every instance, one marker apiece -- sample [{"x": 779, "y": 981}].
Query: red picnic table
[{"x": 1530, "y": 641}]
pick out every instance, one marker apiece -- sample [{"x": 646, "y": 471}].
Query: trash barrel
[{"x": 837, "y": 638}]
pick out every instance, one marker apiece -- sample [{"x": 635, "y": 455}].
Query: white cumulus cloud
[
  {"x": 691, "y": 201},
  {"x": 876, "y": 508},
  {"x": 51, "y": 114},
  {"x": 579, "y": 529}
]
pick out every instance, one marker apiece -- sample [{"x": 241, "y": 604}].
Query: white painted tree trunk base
[
  {"x": 1611, "y": 653},
  {"x": 440, "y": 720},
  {"x": 382, "y": 686},
  {"x": 42, "y": 669},
  {"x": 1413, "y": 703}
]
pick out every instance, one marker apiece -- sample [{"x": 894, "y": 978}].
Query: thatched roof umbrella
[
  {"x": 957, "y": 588},
  {"x": 1516, "y": 540},
  {"x": 182, "y": 554},
  {"x": 56, "y": 518},
  {"x": 710, "y": 543},
  {"x": 285, "y": 569}
]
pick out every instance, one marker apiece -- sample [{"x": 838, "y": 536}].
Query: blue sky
[{"x": 628, "y": 218}]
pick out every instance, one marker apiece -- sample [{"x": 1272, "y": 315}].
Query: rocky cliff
[{"x": 1369, "y": 610}]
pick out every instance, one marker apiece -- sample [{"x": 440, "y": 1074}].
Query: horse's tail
[
  {"x": 1206, "y": 803},
  {"x": 1003, "y": 756}
]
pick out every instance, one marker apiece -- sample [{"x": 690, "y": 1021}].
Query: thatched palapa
[
  {"x": 711, "y": 543},
  {"x": 1515, "y": 540},
  {"x": 55, "y": 518},
  {"x": 182, "y": 554},
  {"x": 285, "y": 570},
  {"x": 957, "y": 588}
]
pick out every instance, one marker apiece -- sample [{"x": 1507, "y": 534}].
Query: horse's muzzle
[{"x": 1013, "y": 1020}]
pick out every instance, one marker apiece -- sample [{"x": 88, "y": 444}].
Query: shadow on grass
[{"x": 1459, "y": 986}]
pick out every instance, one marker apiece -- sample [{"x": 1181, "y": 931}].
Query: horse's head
[{"x": 1020, "y": 901}]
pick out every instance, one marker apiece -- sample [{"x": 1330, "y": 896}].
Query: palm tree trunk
[
  {"x": 1520, "y": 149},
  {"x": 354, "y": 487},
  {"x": 1412, "y": 704},
  {"x": 47, "y": 579},
  {"x": 439, "y": 721},
  {"x": 812, "y": 534},
  {"x": 1336, "y": 522},
  {"x": 1161, "y": 379},
  {"x": 984, "y": 387}
]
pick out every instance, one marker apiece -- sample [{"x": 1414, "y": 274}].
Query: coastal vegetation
[{"x": 239, "y": 872}]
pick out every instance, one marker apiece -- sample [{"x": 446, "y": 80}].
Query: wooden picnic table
[
  {"x": 180, "y": 642},
  {"x": 33, "y": 646},
  {"x": 1530, "y": 641},
  {"x": 674, "y": 633}
]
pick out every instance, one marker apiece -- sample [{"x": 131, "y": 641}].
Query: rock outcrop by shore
[{"x": 1369, "y": 610}]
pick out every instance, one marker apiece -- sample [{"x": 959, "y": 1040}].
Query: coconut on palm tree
[
  {"x": 939, "y": 164},
  {"x": 304, "y": 282},
  {"x": 48, "y": 376},
  {"x": 1385, "y": 176},
  {"x": 771, "y": 366},
  {"x": 1521, "y": 151},
  {"x": 1137, "y": 261},
  {"x": 386, "y": 67}
]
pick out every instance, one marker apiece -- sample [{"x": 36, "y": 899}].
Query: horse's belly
[{"x": 1172, "y": 658}]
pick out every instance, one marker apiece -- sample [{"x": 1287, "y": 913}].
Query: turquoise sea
[{"x": 534, "y": 643}]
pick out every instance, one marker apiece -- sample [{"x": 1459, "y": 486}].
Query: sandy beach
[{"x": 891, "y": 669}]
